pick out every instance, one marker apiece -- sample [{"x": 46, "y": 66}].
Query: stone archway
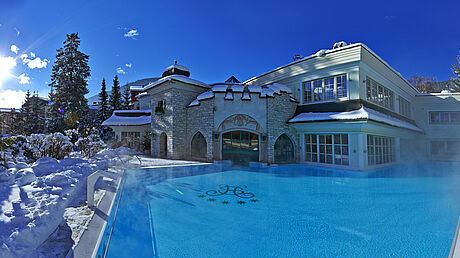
[
  {"x": 242, "y": 139},
  {"x": 199, "y": 147},
  {"x": 163, "y": 145},
  {"x": 284, "y": 149}
]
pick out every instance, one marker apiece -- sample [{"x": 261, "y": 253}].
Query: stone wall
[
  {"x": 162, "y": 122},
  {"x": 201, "y": 119},
  {"x": 173, "y": 121},
  {"x": 279, "y": 110}
]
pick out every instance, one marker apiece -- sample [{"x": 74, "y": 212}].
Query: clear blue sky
[{"x": 217, "y": 39}]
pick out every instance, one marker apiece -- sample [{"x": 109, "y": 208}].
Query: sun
[{"x": 6, "y": 64}]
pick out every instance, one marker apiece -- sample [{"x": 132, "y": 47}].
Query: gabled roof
[
  {"x": 129, "y": 117},
  {"x": 176, "y": 77}
]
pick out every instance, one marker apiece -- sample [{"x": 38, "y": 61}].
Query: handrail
[
  {"x": 140, "y": 161},
  {"x": 455, "y": 249}
]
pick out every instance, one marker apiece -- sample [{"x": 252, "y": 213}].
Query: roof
[
  {"x": 176, "y": 69},
  {"x": 8, "y": 110},
  {"x": 229, "y": 90},
  {"x": 129, "y": 117},
  {"x": 324, "y": 52},
  {"x": 176, "y": 77},
  {"x": 360, "y": 114}
]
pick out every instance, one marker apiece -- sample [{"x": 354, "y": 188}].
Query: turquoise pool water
[{"x": 296, "y": 211}]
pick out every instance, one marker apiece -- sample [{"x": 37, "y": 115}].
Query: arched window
[
  {"x": 163, "y": 145},
  {"x": 241, "y": 147},
  {"x": 284, "y": 149},
  {"x": 199, "y": 147}
]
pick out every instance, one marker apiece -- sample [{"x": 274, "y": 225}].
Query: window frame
[
  {"x": 384, "y": 97},
  {"x": 382, "y": 151},
  {"x": 314, "y": 96},
  {"x": 405, "y": 105},
  {"x": 449, "y": 122},
  {"x": 320, "y": 154}
]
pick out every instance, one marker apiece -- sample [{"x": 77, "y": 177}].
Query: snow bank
[{"x": 33, "y": 197}]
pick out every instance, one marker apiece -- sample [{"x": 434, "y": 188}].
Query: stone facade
[
  {"x": 279, "y": 110},
  {"x": 173, "y": 121},
  {"x": 201, "y": 119}
]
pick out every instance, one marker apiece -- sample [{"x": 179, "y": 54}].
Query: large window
[
  {"x": 445, "y": 149},
  {"x": 378, "y": 94},
  {"x": 404, "y": 107},
  {"x": 380, "y": 150},
  {"x": 444, "y": 117},
  {"x": 329, "y": 88},
  {"x": 327, "y": 148},
  {"x": 240, "y": 146},
  {"x": 131, "y": 139}
]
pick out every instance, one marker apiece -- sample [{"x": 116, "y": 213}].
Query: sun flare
[{"x": 6, "y": 64}]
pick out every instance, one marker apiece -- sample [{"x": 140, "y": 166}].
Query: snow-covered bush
[
  {"x": 72, "y": 134},
  {"x": 12, "y": 146},
  {"x": 90, "y": 145},
  {"x": 55, "y": 145}
]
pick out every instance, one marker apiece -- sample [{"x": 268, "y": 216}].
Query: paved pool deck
[{"x": 89, "y": 241}]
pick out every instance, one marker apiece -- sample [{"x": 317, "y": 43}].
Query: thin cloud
[
  {"x": 23, "y": 79},
  {"x": 14, "y": 49},
  {"x": 131, "y": 34},
  {"x": 129, "y": 65},
  {"x": 120, "y": 71}
]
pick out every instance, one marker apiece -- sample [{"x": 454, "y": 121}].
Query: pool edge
[{"x": 455, "y": 249}]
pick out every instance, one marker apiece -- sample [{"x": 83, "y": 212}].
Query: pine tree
[
  {"x": 115, "y": 97},
  {"x": 104, "y": 109},
  {"x": 69, "y": 86},
  {"x": 126, "y": 98},
  {"x": 456, "y": 81},
  {"x": 37, "y": 116}
]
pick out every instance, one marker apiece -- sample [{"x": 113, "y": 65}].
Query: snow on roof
[
  {"x": 362, "y": 113},
  {"x": 143, "y": 94},
  {"x": 219, "y": 88},
  {"x": 229, "y": 95},
  {"x": 181, "y": 67},
  {"x": 136, "y": 87},
  {"x": 254, "y": 89},
  {"x": 146, "y": 111},
  {"x": 237, "y": 88},
  {"x": 194, "y": 103},
  {"x": 246, "y": 96},
  {"x": 280, "y": 87},
  {"x": 229, "y": 90},
  {"x": 291, "y": 98},
  {"x": 176, "y": 77},
  {"x": 8, "y": 110},
  {"x": 115, "y": 120},
  {"x": 267, "y": 92},
  {"x": 205, "y": 95}
]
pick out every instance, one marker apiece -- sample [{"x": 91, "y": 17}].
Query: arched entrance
[
  {"x": 199, "y": 147},
  {"x": 240, "y": 146},
  {"x": 284, "y": 149},
  {"x": 163, "y": 145}
]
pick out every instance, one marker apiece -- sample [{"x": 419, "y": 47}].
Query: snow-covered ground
[{"x": 43, "y": 204}]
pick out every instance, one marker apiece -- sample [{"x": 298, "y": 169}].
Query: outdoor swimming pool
[{"x": 296, "y": 211}]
